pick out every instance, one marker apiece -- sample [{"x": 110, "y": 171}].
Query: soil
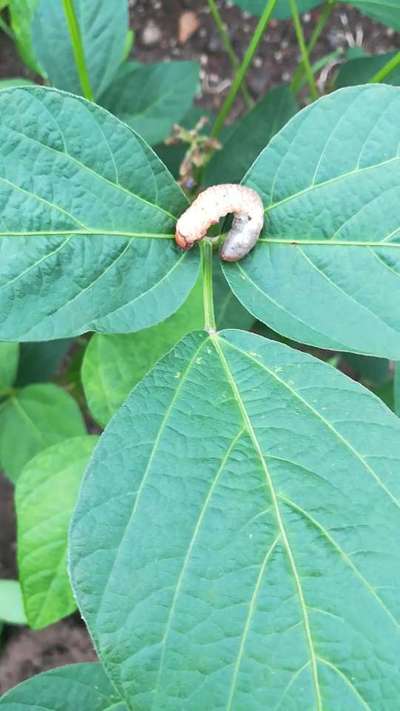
[{"x": 23, "y": 652}]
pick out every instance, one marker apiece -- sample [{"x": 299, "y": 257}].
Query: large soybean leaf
[
  {"x": 21, "y": 16},
  {"x": 249, "y": 135},
  {"x": 151, "y": 98},
  {"x": 88, "y": 214},
  {"x": 236, "y": 536},
  {"x": 113, "y": 364},
  {"x": 361, "y": 70},
  {"x": 9, "y": 355},
  {"x": 45, "y": 497},
  {"x": 327, "y": 269},
  {"x": 77, "y": 686},
  {"x": 103, "y": 27},
  {"x": 31, "y": 420},
  {"x": 11, "y": 604}
]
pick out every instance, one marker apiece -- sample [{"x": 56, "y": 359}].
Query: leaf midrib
[
  {"x": 298, "y": 242},
  {"x": 346, "y": 558},
  {"x": 283, "y": 534},
  {"x": 325, "y": 422},
  {"x": 89, "y": 233}
]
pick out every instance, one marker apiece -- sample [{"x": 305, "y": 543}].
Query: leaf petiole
[
  {"x": 77, "y": 49},
  {"x": 242, "y": 71},
  {"x": 326, "y": 12},
  {"x": 303, "y": 49},
  {"x": 206, "y": 248},
  {"x": 387, "y": 69},
  {"x": 227, "y": 44}
]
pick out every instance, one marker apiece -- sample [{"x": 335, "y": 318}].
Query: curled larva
[{"x": 216, "y": 202}]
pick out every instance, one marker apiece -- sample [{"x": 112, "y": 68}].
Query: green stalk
[
  {"x": 303, "y": 49},
  {"x": 242, "y": 71},
  {"x": 387, "y": 69},
  {"x": 6, "y": 29},
  {"x": 77, "y": 48},
  {"x": 325, "y": 14},
  {"x": 227, "y": 44},
  {"x": 207, "y": 273}
]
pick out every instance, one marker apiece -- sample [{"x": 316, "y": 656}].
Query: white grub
[{"x": 216, "y": 202}]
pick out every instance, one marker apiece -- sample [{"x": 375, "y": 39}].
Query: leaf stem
[
  {"x": 325, "y": 14},
  {"x": 6, "y": 29},
  {"x": 242, "y": 71},
  {"x": 227, "y": 44},
  {"x": 206, "y": 248},
  {"x": 303, "y": 49},
  {"x": 77, "y": 48},
  {"x": 387, "y": 69}
]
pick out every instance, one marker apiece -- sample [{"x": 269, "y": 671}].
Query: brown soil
[
  {"x": 27, "y": 653},
  {"x": 277, "y": 56},
  {"x": 24, "y": 652}
]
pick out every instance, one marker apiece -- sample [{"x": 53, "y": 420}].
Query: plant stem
[
  {"x": 242, "y": 71},
  {"x": 318, "y": 29},
  {"x": 387, "y": 69},
  {"x": 6, "y": 29},
  {"x": 77, "y": 48},
  {"x": 227, "y": 44},
  {"x": 303, "y": 49},
  {"x": 207, "y": 272}
]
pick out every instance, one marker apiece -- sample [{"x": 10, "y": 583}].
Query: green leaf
[
  {"x": 386, "y": 11},
  {"x": 151, "y": 98},
  {"x": 40, "y": 361},
  {"x": 9, "y": 354},
  {"x": 361, "y": 69},
  {"x": 103, "y": 27},
  {"x": 31, "y": 420},
  {"x": 249, "y": 135},
  {"x": 114, "y": 364},
  {"x": 77, "y": 686},
  {"x": 11, "y": 605},
  {"x": 43, "y": 520},
  {"x": 225, "y": 551},
  {"x": 327, "y": 269},
  {"x": 21, "y": 16},
  {"x": 88, "y": 219}
]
